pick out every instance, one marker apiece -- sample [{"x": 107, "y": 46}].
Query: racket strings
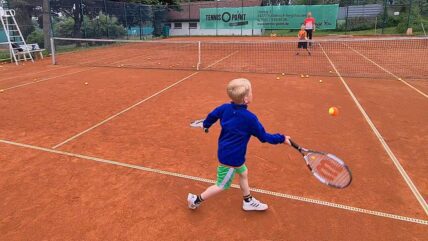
[{"x": 330, "y": 170}]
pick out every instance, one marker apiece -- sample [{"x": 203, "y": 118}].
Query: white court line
[
  {"x": 390, "y": 73},
  {"x": 205, "y": 180},
  {"x": 136, "y": 104},
  {"x": 42, "y": 80},
  {"x": 58, "y": 76},
  {"x": 59, "y": 68},
  {"x": 385, "y": 146},
  {"x": 123, "y": 111},
  {"x": 33, "y": 73},
  {"x": 218, "y": 61}
]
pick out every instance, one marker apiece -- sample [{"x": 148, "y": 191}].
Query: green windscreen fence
[
  {"x": 2, "y": 36},
  {"x": 268, "y": 17}
]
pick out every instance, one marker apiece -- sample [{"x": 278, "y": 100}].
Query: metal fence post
[
  {"x": 410, "y": 13},
  {"x": 242, "y": 12},
  {"x": 141, "y": 22},
  {"x": 126, "y": 20},
  {"x": 346, "y": 19},
  {"x": 385, "y": 14},
  {"x": 107, "y": 18},
  {"x": 83, "y": 17},
  {"x": 188, "y": 2}
]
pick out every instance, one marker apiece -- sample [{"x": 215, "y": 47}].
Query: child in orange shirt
[{"x": 303, "y": 40}]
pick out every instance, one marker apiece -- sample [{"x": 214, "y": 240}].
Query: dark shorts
[
  {"x": 302, "y": 45},
  {"x": 309, "y": 32}
]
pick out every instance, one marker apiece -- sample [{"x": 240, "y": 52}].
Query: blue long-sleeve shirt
[{"x": 237, "y": 126}]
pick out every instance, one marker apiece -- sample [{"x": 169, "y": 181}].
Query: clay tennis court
[{"x": 114, "y": 159}]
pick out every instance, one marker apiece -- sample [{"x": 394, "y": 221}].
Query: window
[
  {"x": 178, "y": 25},
  {"x": 193, "y": 25}
]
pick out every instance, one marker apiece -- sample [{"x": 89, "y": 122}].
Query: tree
[
  {"x": 25, "y": 10},
  {"x": 46, "y": 25},
  {"x": 76, "y": 9},
  {"x": 94, "y": 27}
]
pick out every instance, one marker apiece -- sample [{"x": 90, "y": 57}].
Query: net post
[
  {"x": 53, "y": 51},
  {"x": 423, "y": 28},
  {"x": 199, "y": 55}
]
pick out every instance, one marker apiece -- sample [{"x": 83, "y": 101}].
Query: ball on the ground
[
  {"x": 331, "y": 71},
  {"x": 302, "y": 76},
  {"x": 282, "y": 74},
  {"x": 320, "y": 80},
  {"x": 86, "y": 83},
  {"x": 307, "y": 76},
  {"x": 333, "y": 111},
  {"x": 1, "y": 91},
  {"x": 400, "y": 79},
  {"x": 277, "y": 77}
]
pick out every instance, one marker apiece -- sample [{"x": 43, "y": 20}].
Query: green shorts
[{"x": 225, "y": 175}]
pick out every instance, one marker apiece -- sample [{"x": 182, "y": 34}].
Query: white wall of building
[{"x": 175, "y": 30}]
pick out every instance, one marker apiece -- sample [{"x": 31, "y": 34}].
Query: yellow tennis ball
[
  {"x": 333, "y": 111},
  {"x": 1, "y": 90},
  {"x": 302, "y": 76},
  {"x": 277, "y": 77},
  {"x": 307, "y": 76},
  {"x": 320, "y": 80},
  {"x": 86, "y": 83},
  {"x": 282, "y": 74},
  {"x": 331, "y": 71}
]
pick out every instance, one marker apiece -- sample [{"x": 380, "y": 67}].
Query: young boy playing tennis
[
  {"x": 303, "y": 40},
  {"x": 238, "y": 125}
]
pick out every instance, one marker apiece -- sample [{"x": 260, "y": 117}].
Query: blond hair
[{"x": 238, "y": 89}]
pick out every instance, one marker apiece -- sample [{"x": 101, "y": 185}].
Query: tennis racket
[
  {"x": 198, "y": 124},
  {"x": 327, "y": 168}
]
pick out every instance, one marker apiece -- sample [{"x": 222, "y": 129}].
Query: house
[{"x": 185, "y": 21}]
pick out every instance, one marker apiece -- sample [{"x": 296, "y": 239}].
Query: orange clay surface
[{"x": 50, "y": 196}]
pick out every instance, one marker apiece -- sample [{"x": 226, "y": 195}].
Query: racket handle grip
[{"x": 206, "y": 130}]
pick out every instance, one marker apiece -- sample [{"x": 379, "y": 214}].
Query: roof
[{"x": 190, "y": 11}]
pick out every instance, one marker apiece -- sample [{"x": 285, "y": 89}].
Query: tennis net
[{"x": 405, "y": 57}]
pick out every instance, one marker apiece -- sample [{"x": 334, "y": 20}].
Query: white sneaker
[
  {"x": 254, "y": 205},
  {"x": 191, "y": 198}
]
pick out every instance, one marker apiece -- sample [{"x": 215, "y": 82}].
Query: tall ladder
[{"x": 14, "y": 37}]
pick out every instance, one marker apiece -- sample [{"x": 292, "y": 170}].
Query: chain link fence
[{"x": 120, "y": 20}]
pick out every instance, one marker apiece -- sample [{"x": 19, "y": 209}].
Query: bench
[{"x": 32, "y": 48}]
